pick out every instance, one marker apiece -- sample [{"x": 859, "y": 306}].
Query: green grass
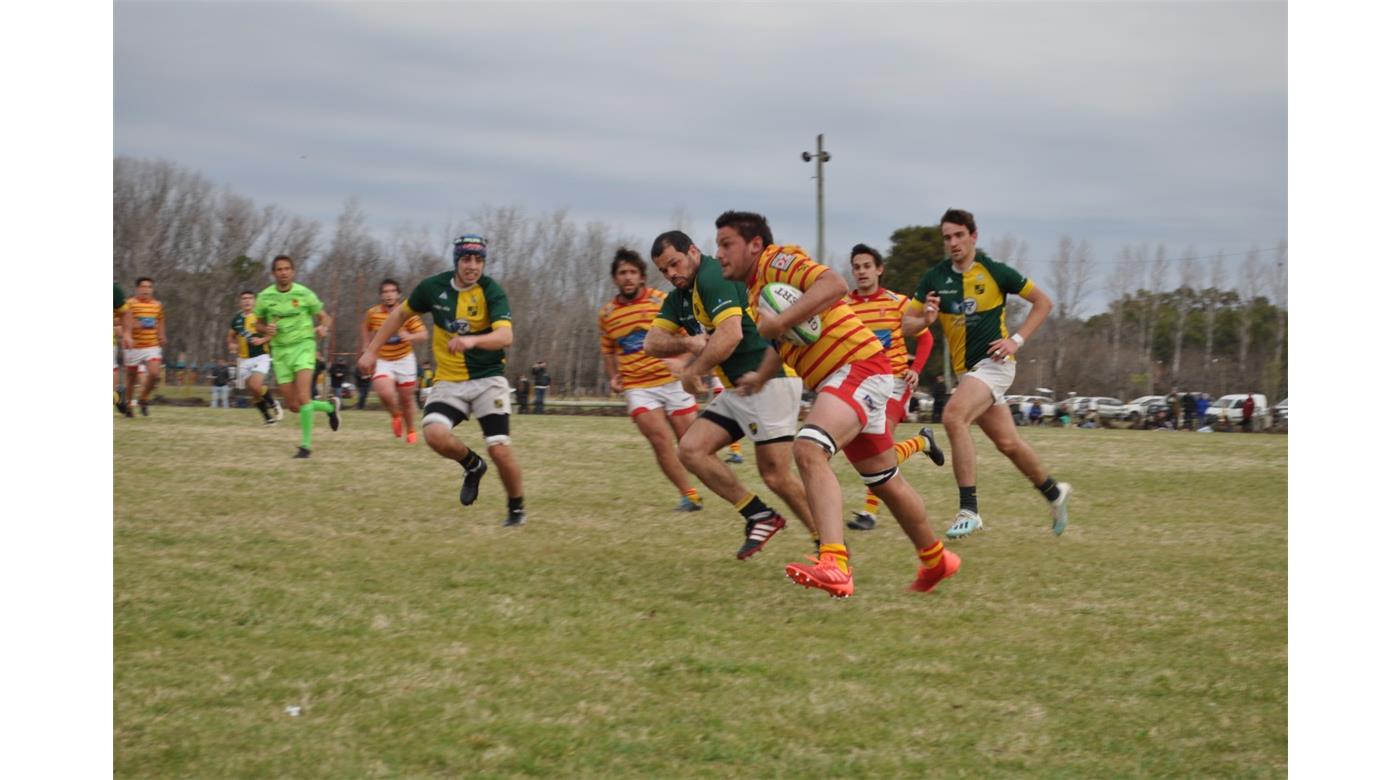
[{"x": 610, "y": 637}]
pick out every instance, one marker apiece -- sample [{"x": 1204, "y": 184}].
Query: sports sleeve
[
  {"x": 118, "y": 298},
  {"x": 497, "y": 306},
  {"x": 605, "y": 342},
  {"x": 790, "y": 265},
  {"x": 721, "y": 298},
  {"x": 313, "y": 303},
  {"x": 667, "y": 318},
  {"x": 1008, "y": 278},
  {"x": 420, "y": 301},
  {"x": 414, "y": 324}
]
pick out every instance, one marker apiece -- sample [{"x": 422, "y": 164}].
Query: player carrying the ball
[
  {"x": 966, "y": 294},
  {"x": 847, "y": 367},
  {"x": 471, "y": 330},
  {"x": 656, "y": 402},
  {"x": 254, "y": 361},
  {"x": 883, "y": 312},
  {"x": 143, "y": 336}
]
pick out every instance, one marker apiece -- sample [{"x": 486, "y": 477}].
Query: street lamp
[{"x": 821, "y": 157}]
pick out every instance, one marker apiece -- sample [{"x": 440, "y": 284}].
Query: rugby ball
[{"x": 774, "y": 298}]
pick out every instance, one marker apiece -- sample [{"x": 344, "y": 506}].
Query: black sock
[
  {"x": 1049, "y": 488},
  {"x": 755, "y": 510},
  {"x": 470, "y": 461},
  {"x": 967, "y": 498},
  {"x": 516, "y": 504}
]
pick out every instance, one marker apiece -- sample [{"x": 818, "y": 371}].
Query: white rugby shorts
[
  {"x": 261, "y": 364},
  {"x": 404, "y": 371},
  {"x": 771, "y": 414},
  {"x": 995, "y": 374},
  {"x": 137, "y": 357},
  {"x": 670, "y": 397},
  {"x": 473, "y": 398}
]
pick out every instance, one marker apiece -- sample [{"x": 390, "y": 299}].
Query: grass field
[{"x": 610, "y": 637}]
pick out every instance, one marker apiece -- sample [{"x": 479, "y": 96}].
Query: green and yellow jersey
[
  {"x": 710, "y": 300},
  {"x": 245, "y": 327},
  {"x": 118, "y": 299},
  {"x": 293, "y": 312},
  {"x": 972, "y": 305},
  {"x": 479, "y": 309}
]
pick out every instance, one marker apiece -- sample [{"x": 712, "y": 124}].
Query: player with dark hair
[
  {"x": 657, "y": 403},
  {"x": 143, "y": 337},
  {"x": 707, "y": 320},
  {"x": 966, "y": 294},
  {"x": 254, "y": 361},
  {"x": 847, "y": 368},
  {"x": 292, "y": 317},
  {"x": 471, "y": 330},
  {"x": 118, "y": 315},
  {"x": 395, "y": 376},
  {"x": 883, "y": 312}
]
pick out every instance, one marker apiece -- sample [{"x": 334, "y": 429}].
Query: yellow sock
[
  {"x": 932, "y": 555},
  {"x": 735, "y": 448},
  {"x": 692, "y": 494},
  {"x": 905, "y": 450},
  {"x": 843, "y": 558},
  {"x": 872, "y": 503}
]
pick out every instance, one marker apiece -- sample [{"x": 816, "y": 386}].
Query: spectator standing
[
  {"x": 361, "y": 387},
  {"x": 1247, "y": 412},
  {"x": 338, "y": 372},
  {"x": 1202, "y": 406},
  {"x": 1188, "y": 408},
  {"x": 939, "y": 390},
  {"x": 316, "y": 374},
  {"x": 218, "y": 384},
  {"x": 1174, "y": 405},
  {"x": 1035, "y": 413},
  {"x": 541, "y": 380},
  {"x": 522, "y": 393}
]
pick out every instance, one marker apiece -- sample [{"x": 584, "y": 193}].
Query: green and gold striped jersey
[
  {"x": 971, "y": 306},
  {"x": 479, "y": 309}
]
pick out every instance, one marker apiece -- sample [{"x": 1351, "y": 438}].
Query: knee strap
[
  {"x": 879, "y": 477},
  {"x": 821, "y": 437}
]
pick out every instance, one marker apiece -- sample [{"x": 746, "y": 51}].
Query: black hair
[
  {"x": 862, "y": 249},
  {"x": 747, "y": 224},
  {"x": 628, "y": 257},
  {"x": 675, "y": 239},
  {"x": 387, "y": 280},
  {"x": 280, "y": 258},
  {"x": 960, "y": 217}
]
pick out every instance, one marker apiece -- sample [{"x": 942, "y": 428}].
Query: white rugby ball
[{"x": 774, "y": 298}]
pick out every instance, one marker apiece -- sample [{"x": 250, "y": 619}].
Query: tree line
[{"x": 1170, "y": 321}]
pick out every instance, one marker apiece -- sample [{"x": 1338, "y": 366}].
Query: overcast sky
[{"x": 1115, "y": 123}]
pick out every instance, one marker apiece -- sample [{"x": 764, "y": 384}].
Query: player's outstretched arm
[
  {"x": 825, "y": 290},
  {"x": 662, "y": 343}
]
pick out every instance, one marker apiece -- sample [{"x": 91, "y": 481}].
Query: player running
[
  {"x": 851, "y": 375},
  {"x": 883, "y": 312},
  {"x": 707, "y": 316},
  {"x": 656, "y": 401},
  {"x": 395, "y": 376},
  {"x": 253, "y": 359},
  {"x": 967, "y": 294},
  {"x": 471, "y": 330},
  {"x": 143, "y": 337},
  {"x": 292, "y": 318}
]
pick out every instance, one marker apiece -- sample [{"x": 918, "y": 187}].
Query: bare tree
[
  {"x": 1156, "y": 281},
  {"x": 1071, "y": 269},
  {"x": 1122, "y": 282}
]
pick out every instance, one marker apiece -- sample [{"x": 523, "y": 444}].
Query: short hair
[
  {"x": 625, "y": 256},
  {"x": 747, "y": 224},
  {"x": 247, "y": 292},
  {"x": 280, "y": 258},
  {"x": 862, "y": 249},
  {"x": 141, "y": 279},
  {"x": 675, "y": 239},
  {"x": 388, "y": 281},
  {"x": 960, "y": 217}
]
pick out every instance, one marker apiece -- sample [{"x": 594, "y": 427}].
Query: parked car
[
  {"x": 1231, "y": 407},
  {"x": 1143, "y": 407},
  {"x": 1280, "y": 413},
  {"x": 1106, "y": 407}
]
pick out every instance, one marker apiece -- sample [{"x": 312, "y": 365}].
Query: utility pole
[{"x": 821, "y": 157}]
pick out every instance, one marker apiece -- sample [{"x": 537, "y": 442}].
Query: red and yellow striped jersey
[
  {"x": 844, "y": 340},
  {"x": 623, "y": 329},
  {"x": 146, "y": 317},
  {"x": 392, "y": 349},
  {"x": 883, "y": 313}
]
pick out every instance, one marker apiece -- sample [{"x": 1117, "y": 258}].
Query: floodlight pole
[{"x": 821, "y": 158}]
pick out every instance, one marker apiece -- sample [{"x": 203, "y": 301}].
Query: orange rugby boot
[{"x": 823, "y": 573}]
